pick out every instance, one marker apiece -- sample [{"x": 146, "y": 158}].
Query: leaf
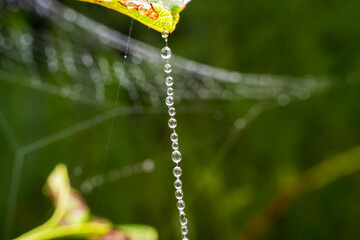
[
  {"x": 72, "y": 216},
  {"x": 66, "y": 199},
  {"x": 58, "y": 186},
  {"x": 115, "y": 235},
  {"x": 139, "y": 232},
  {"x": 159, "y": 15}
]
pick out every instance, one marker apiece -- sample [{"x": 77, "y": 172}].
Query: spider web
[{"x": 50, "y": 60}]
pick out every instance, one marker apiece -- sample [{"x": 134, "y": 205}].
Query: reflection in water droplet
[
  {"x": 174, "y": 136},
  {"x": 179, "y": 194},
  {"x": 165, "y": 34},
  {"x": 184, "y": 230},
  {"x": 172, "y": 111},
  {"x": 166, "y": 53},
  {"x": 169, "y": 81},
  {"x": 180, "y": 205},
  {"x": 142, "y": 10},
  {"x": 169, "y": 101},
  {"x": 167, "y": 68},
  {"x": 176, "y": 156},
  {"x": 131, "y": 5},
  {"x": 175, "y": 145},
  {"x": 177, "y": 171},
  {"x": 178, "y": 184},
  {"x": 183, "y": 218},
  {"x": 170, "y": 91},
  {"x": 172, "y": 123}
]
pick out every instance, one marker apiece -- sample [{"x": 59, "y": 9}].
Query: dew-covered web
[{"x": 78, "y": 59}]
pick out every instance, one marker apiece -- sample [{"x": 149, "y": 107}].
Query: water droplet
[
  {"x": 130, "y": 5},
  {"x": 185, "y": 238},
  {"x": 180, "y": 204},
  {"x": 27, "y": 39},
  {"x": 172, "y": 123},
  {"x": 169, "y": 101},
  {"x": 283, "y": 100},
  {"x": 174, "y": 136},
  {"x": 167, "y": 68},
  {"x": 176, "y": 156},
  {"x": 77, "y": 171},
  {"x": 177, "y": 171},
  {"x": 179, "y": 194},
  {"x": 170, "y": 91},
  {"x": 172, "y": 111},
  {"x": 148, "y": 165},
  {"x": 175, "y": 145},
  {"x": 86, "y": 187},
  {"x": 166, "y": 53},
  {"x": 240, "y": 123},
  {"x": 169, "y": 81},
  {"x": 87, "y": 60},
  {"x": 70, "y": 15},
  {"x": 184, "y": 230},
  {"x": 142, "y": 10},
  {"x": 165, "y": 34},
  {"x": 183, "y": 218},
  {"x": 178, "y": 184},
  {"x": 303, "y": 93}
]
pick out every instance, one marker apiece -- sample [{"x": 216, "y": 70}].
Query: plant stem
[{"x": 89, "y": 229}]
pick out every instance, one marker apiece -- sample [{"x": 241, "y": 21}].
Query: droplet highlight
[
  {"x": 172, "y": 111},
  {"x": 165, "y": 34},
  {"x": 177, "y": 171},
  {"x": 175, "y": 145},
  {"x": 169, "y": 101},
  {"x": 179, "y": 194},
  {"x": 184, "y": 230},
  {"x": 176, "y": 156},
  {"x": 172, "y": 123},
  {"x": 170, "y": 91},
  {"x": 183, "y": 218},
  {"x": 174, "y": 137},
  {"x": 169, "y": 81},
  {"x": 167, "y": 68},
  {"x": 178, "y": 184},
  {"x": 166, "y": 53},
  {"x": 180, "y": 204}
]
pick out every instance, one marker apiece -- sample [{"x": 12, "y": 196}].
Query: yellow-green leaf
[
  {"x": 139, "y": 232},
  {"x": 159, "y": 15}
]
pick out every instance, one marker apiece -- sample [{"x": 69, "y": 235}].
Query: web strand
[{"x": 113, "y": 119}]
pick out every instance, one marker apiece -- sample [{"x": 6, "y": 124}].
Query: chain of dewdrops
[{"x": 176, "y": 154}]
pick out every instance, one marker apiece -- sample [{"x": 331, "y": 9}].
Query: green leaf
[
  {"x": 139, "y": 232},
  {"x": 72, "y": 217},
  {"x": 159, "y": 15}
]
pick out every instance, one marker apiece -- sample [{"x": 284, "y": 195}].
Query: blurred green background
[{"x": 229, "y": 175}]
